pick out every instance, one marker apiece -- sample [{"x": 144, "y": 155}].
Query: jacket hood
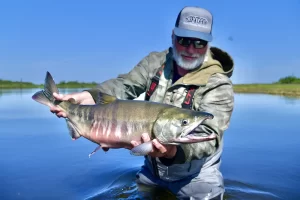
[{"x": 222, "y": 59}]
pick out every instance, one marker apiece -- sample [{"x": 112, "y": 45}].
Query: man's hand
[
  {"x": 159, "y": 150},
  {"x": 83, "y": 98}
]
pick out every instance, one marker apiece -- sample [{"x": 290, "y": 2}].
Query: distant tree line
[
  {"x": 16, "y": 84},
  {"x": 63, "y": 84},
  {"x": 75, "y": 84},
  {"x": 289, "y": 80}
]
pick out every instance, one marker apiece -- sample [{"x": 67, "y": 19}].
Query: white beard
[{"x": 188, "y": 65}]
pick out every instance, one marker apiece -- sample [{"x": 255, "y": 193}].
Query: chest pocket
[
  {"x": 175, "y": 97},
  {"x": 181, "y": 97}
]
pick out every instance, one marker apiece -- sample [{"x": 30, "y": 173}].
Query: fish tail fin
[{"x": 46, "y": 96}]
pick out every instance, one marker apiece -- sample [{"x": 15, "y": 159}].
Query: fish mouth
[
  {"x": 189, "y": 136},
  {"x": 193, "y": 138}
]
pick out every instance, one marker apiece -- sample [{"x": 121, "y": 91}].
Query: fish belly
[{"x": 114, "y": 135}]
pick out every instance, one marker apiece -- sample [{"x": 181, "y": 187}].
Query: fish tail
[{"x": 46, "y": 96}]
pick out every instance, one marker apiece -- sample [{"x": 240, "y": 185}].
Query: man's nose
[{"x": 190, "y": 49}]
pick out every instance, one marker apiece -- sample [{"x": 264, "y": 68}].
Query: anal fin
[
  {"x": 105, "y": 149},
  {"x": 73, "y": 131}
]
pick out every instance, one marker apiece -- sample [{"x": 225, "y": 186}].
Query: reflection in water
[
  {"x": 124, "y": 187},
  {"x": 291, "y": 100},
  {"x": 134, "y": 192},
  {"x": 239, "y": 190}
]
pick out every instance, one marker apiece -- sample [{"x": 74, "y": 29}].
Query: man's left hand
[{"x": 159, "y": 150}]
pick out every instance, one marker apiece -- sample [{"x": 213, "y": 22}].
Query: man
[{"x": 189, "y": 71}]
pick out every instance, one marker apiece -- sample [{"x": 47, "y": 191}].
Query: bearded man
[{"x": 189, "y": 74}]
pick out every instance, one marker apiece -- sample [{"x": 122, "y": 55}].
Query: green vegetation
[
  {"x": 76, "y": 84},
  {"x": 276, "y": 89},
  {"x": 289, "y": 80},
  {"x": 6, "y": 84},
  {"x": 287, "y": 86}
]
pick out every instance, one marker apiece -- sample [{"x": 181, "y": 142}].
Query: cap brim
[{"x": 193, "y": 34}]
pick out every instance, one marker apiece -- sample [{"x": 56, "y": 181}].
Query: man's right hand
[{"x": 83, "y": 98}]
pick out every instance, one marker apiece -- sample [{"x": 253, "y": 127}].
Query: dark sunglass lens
[
  {"x": 200, "y": 44},
  {"x": 187, "y": 41},
  {"x": 183, "y": 41}
]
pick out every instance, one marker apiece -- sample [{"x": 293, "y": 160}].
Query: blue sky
[{"x": 97, "y": 40}]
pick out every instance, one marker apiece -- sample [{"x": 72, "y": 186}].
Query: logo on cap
[{"x": 195, "y": 20}]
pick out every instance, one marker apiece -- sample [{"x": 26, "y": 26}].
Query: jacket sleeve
[
  {"x": 125, "y": 86},
  {"x": 216, "y": 98}
]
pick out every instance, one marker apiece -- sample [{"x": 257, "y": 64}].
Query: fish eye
[{"x": 185, "y": 122}]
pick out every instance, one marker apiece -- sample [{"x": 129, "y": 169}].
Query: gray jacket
[{"x": 214, "y": 95}]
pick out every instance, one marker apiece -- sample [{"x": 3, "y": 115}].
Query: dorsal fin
[{"x": 106, "y": 98}]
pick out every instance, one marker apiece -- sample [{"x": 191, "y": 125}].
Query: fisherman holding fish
[{"x": 192, "y": 75}]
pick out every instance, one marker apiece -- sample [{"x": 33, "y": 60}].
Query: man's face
[{"x": 189, "y": 53}]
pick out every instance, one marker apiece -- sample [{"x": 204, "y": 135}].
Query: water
[{"x": 38, "y": 160}]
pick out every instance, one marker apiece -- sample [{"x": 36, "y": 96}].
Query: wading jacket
[{"x": 214, "y": 95}]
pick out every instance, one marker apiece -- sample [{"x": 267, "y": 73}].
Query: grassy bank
[
  {"x": 6, "y": 84},
  {"x": 276, "y": 89},
  {"x": 287, "y": 86},
  {"x": 76, "y": 84}
]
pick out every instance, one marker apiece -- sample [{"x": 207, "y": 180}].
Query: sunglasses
[{"x": 197, "y": 43}]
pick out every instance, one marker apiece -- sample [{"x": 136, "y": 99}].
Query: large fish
[{"x": 114, "y": 123}]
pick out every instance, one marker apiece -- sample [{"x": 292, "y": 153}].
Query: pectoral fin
[
  {"x": 142, "y": 149},
  {"x": 105, "y": 149},
  {"x": 97, "y": 148}
]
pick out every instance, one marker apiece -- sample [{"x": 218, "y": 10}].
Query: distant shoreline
[
  {"x": 292, "y": 90},
  {"x": 29, "y": 85}
]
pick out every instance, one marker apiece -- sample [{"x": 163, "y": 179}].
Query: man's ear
[{"x": 172, "y": 36}]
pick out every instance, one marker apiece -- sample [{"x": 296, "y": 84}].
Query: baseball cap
[{"x": 194, "y": 22}]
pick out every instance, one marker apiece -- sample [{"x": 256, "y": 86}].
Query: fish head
[{"x": 176, "y": 125}]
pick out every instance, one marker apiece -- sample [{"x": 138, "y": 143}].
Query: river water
[{"x": 38, "y": 160}]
